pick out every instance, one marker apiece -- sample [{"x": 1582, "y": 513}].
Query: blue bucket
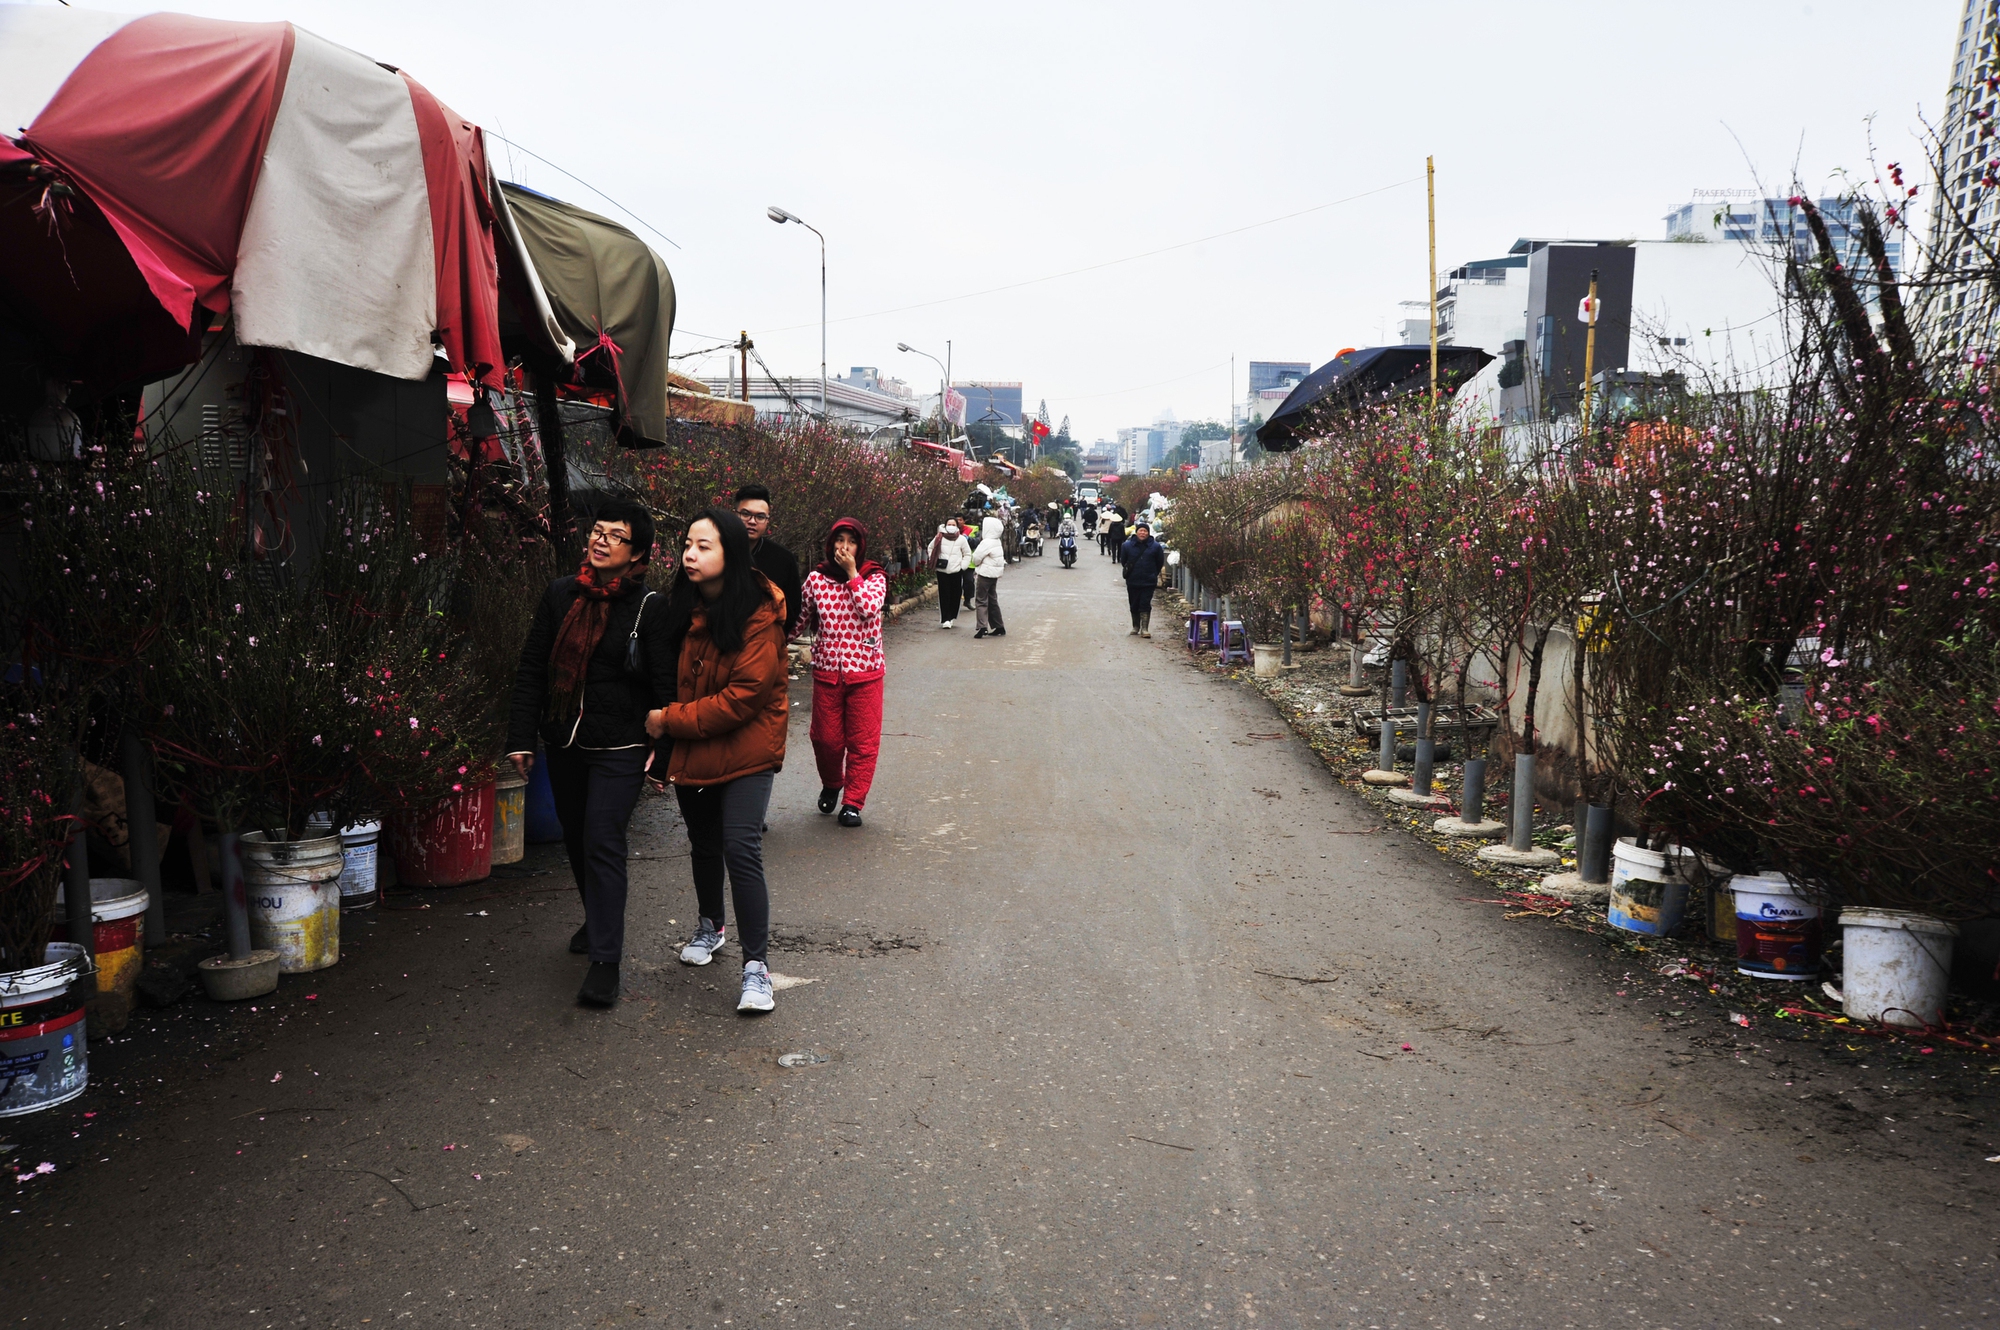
[{"x": 543, "y": 825}]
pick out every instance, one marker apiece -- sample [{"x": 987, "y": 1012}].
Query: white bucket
[
  {"x": 1647, "y": 895},
  {"x": 1896, "y": 966},
  {"x": 44, "y": 1060},
  {"x": 294, "y": 891},
  {"x": 359, "y": 886},
  {"x": 1777, "y": 928}
]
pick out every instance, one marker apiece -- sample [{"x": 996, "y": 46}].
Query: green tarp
[{"x": 602, "y": 279}]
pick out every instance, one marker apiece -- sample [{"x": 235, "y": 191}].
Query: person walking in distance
[
  {"x": 1114, "y": 534},
  {"x": 953, "y": 555},
  {"x": 597, "y": 657},
  {"x": 1141, "y": 558},
  {"x": 843, "y": 611},
  {"x": 753, "y": 506},
  {"x": 727, "y": 720},
  {"x": 989, "y": 560}
]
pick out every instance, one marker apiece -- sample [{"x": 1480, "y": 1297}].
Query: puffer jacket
[
  {"x": 613, "y": 713},
  {"x": 1143, "y": 560},
  {"x": 729, "y": 715},
  {"x": 989, "y": 559},
  {"x": 954, "y": 553}
]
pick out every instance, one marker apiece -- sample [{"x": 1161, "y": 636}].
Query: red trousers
[{"x": 847, "y": 735}]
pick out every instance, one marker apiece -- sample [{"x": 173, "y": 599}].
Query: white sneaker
[
  {"x": 756, "y": 988},
  {"x": 949, "y": 623},
  {"x": 708, "y": 939}
]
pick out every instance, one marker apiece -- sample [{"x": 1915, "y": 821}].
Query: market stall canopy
[
  {"x": 327, "y": 203},
  {"x": 613, "y": 296},
  {"x": 1355, "y": 378}
]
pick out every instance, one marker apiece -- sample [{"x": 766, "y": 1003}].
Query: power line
[
  {"x": 592, "y": 188},
  {"x": 1110, "y": 263}
]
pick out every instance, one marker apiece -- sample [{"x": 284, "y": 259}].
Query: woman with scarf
[
  {"x": 727, "y": 717},
  {"x": 844, "y": 597},
  {"x": 596, "y": 659}
]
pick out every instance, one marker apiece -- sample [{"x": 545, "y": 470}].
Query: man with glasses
[{"x": 753, "y": 505}]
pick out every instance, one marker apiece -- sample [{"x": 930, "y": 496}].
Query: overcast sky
[{"x": 949, "y": 149}]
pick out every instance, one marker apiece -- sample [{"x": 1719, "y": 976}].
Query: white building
[
  {"x": 790, "y": 400},
  {"x": 1713, "y": 312}
]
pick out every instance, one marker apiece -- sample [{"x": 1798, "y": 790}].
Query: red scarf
[{"x": 582, "y": 629}]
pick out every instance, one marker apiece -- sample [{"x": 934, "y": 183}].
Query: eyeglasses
[
  {"x": 608, "y": 536},
  {"x": 749, "y": 515}
]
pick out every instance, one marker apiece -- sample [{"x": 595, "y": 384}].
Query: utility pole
[
  {"x": 1589, "y": 347},
  {"x": 743, "y": 359},
  {"x": 1430, "y": 191}
]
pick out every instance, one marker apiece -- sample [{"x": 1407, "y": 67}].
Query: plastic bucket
[
  {"x": 1896, "y": 965},
  {"x": 294, "y": 893},
  {"x": 359, "y": 849},
  {"x": 1778, "y": 930},
  {"x": 543, "y": 826},
  {"x": 510, "y": 818},
  {"x": 450, "y": 844},
  {"x": 118, "y": 931},
  {"x": 43, "y": 1057},
  {"x": 1647, "y": 895}
]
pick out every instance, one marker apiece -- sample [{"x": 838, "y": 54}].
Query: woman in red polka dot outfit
[{"x": 841, "y": 606}]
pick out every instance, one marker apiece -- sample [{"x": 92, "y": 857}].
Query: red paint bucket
[{"x": 449, "y": 845}]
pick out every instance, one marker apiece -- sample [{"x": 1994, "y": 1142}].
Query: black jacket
[
  {"x": 782, "y": 567},
  {"x": 1143, "y": 561},
  {"x": 614, "y": 703}
]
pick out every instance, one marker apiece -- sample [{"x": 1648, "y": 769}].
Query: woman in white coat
[
  {"x": 989, "y": 560},
  {"x": 953, "y": 554}
]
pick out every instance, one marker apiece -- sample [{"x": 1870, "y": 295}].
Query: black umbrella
[{"x": 1371, "y": 374}]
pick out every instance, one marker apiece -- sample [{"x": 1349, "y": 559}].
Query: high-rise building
[
  {"x": 1774, "y": 222},
  {"x": 1969, "y": 153}
]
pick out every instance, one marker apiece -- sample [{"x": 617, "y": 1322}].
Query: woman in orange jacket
[{"x": 728, "y": 726}]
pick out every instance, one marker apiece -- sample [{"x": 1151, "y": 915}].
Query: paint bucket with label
[
  {"x": 359, "y": 843},
  {"x": 1647, "y": 894},
  {"x": 43, "y": 1058},
  {"x": 1778, "y": 932},
  {"x": 118, "y": 928},
  {"x": 1895, "y": 965},
  {"x": 450, "y": 844},
  {"x": 510, "y": 817},
  {"x": 294, "y": 895}
]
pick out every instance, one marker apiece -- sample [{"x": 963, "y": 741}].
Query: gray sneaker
[
  {"x": 756, "y": 988},
  {"x": 708, "y": 939}
]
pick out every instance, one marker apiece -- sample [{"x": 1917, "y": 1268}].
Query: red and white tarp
[{"x": 331, "y": 205}]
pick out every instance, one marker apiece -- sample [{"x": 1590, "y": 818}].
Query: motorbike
[{"x": 1066, "y": 548}]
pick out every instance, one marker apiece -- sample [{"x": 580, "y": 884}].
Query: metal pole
[
  {"x": 142, "y": 832},
  {"x": 1399, "y": 682},
  {"x": 1430, "y": 192},
  {"x": 76, "y": 882},
  {"x": 1288, "y": 638},
  {"x": 1594, "y": 861},
  {"x": 1523, "y": 838},
  {"x": 1420, "y": 781},
  {"x": 822, "y": 325},
  {"x": 1385, "y": 757},
  {"x": 235, "y": 899},
  {"x": 1589, "y": 353},
  {"x": 1472, "y": 806}
]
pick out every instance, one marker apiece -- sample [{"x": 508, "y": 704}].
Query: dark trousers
[
  {"x": 987, "y": 605},
  {"x": 1141, "y": 598},
  {"x": 949, "y": 587},
  {"x": 725, "y": 825},
  {"x": 595, "y": 792}
]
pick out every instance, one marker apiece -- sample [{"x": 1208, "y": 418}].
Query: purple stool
[
  {"x": 1201, "y": 631},
  {"x": 1235, "y": 643}
]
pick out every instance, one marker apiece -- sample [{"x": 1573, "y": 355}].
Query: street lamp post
[
  {"x": 780, "y": 216},
  {"x": 944, "y": 383}
]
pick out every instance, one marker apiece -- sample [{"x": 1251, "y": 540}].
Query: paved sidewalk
[{"x": 1130, "y": 1015}]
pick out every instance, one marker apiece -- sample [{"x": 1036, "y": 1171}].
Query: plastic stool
[
  {"x": 1201, "y": 630},
  {"x": 1235, "y": 643}
]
